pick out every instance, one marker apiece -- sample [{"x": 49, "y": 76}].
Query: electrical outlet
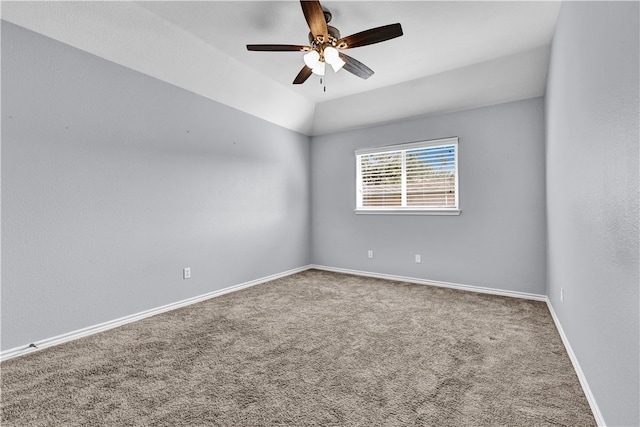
[
  {"x": 370, "y": 254},
  {"x": 186, "y": 273},
  {"x": 561, "y": 294},
  {"x": 418, "y": 258}
]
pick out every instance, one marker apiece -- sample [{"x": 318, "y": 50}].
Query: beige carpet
[{"x": 315, "y": 348}]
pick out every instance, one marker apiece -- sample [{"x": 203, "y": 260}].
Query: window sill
[{"x": 407, "y": 211}]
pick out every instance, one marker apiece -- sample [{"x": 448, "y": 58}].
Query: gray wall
[
  {"x": 592, "y": 189},
  {"x": 113, "y": 181},
  {"x": 497, "y": 241}
]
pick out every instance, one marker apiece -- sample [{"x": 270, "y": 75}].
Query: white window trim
[{"x": 405, "y": 210}]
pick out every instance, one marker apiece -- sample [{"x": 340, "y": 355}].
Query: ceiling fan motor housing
[{"x": 334, "y": 36}]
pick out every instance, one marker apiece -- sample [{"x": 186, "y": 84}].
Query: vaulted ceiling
[{"x": 454, "y": 55}]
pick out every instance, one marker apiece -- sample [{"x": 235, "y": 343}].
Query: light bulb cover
[
  {"x": 311, "y": 59},
  {"x": 337, "y": 65},
  {"x": 319, "y": 68},
  {"x": 331, "y": 54}
]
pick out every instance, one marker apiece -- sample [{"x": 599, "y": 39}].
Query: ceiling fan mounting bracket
[{"x": 327, "y": 14}]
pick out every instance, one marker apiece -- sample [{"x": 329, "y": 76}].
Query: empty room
[{"x": 341, "y": 213}]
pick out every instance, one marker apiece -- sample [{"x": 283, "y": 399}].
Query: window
[{"x": 416, "y": 178}]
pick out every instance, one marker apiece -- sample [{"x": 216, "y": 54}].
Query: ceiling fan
[{"x": 326, "y": 44}]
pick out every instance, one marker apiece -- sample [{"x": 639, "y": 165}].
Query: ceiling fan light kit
[
  {"x": 318, "y": 69},
  {"x": 311, "y": 58},
  {"x": 330, "y": 54},
  {"x": 337, "y": 65},
  {"x": 326, "y": 44}
]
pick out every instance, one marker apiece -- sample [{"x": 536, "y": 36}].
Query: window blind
[{"x": 417, "y": 176}]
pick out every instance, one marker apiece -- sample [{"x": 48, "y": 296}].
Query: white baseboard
[
  {"x": 49, "y": 342},
  {"x": 574, "y": 360},
  {"x": 94, "y": 329},
  {"x": 90, "y": 330},
  {"x": 576, "y": 366},
  {"x": 492, "y": 291}
]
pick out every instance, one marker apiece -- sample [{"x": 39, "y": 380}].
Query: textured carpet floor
[{"x": 315, "y": 348}]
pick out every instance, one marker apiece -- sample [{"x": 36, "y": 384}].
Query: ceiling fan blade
[
  {"x": 374, "y": 35},
  {"x": 356, "y": 67},
  {"x": 303, "y": 75},
  {"x": 315, "y": 19},
  {"x": 278, "y": 48}
]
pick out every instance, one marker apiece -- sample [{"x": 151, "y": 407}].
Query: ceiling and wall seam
[{"x": 165, "y": 40}]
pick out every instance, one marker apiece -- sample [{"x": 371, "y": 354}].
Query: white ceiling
[{"x": 453, "y": 55}]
